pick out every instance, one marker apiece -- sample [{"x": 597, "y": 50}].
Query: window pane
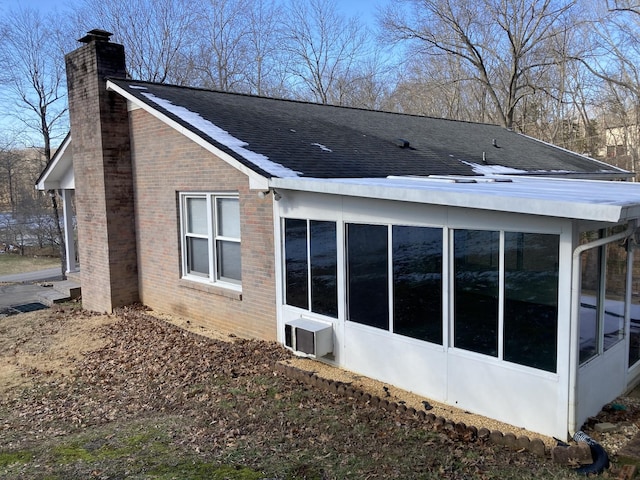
[
  {"x": 198, "y": 255},
  {"x": 531, "y": 299},
  {"x": 634, "y": 331},
  {"x": 615, "y": 288},
  {"x": 229, "y": 265},
  {"x": 417, "y": 283},
  {"x": 324, "y": 268},
  {"x": 228, "y": 217},
  {"x": 368, "y": 275},
  {"x": 476, "y": 290},
  {"x": 197, "y": 216},
  {"x": 296, "y": 269},
  {"x": 590, "y": 286}
]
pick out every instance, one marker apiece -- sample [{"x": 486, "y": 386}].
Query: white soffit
[
  {"x": 595, "y": 200},
  {"x": 59, "y": 172}
]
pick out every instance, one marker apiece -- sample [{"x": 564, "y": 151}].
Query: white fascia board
[
  {"x": 46, "y": 183},
  {"x": 256, "y": 180},
  {"x": 524, "y": 196}
]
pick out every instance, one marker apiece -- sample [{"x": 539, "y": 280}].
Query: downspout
[
  {"x": 575, "y": 313},
  {"x": 631, "y": 246}
]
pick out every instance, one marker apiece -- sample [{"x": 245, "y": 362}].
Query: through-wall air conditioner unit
[{"x": 308, "y": 337}]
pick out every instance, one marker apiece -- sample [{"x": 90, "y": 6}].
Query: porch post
[{"x": 69, "y": 241}]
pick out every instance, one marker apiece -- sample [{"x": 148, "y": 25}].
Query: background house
[
  {"x": 621, "y": 143},
  {"x": 464, "y": 262}
]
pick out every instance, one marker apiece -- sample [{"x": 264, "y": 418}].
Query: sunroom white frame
[{"x": 534, "y": 399}]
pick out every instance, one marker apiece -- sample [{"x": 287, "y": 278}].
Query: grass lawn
[{"x": 11, "y": 263}]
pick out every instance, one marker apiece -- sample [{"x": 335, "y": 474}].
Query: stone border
[{"x": 465, "y": 432}]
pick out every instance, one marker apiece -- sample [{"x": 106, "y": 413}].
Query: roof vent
[
  {"x": 96, "y": 35},
  {"x": 453, "y": 178},
  {"x": 402, "y": 143},
  {"x": 471, "y": 179}
]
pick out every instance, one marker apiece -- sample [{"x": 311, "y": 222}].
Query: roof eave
[
  {"x": 604, "y": 175},
  {"x": 605, "y": 166},
  {"x": 256, "y": 180},
  {"x": 506, "y": 203}
]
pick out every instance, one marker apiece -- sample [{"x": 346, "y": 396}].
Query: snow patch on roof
[
  {"x": 224, "y": 137},
  {"x": 322, "y": 147},
  {"x": 492, "y": 169}
]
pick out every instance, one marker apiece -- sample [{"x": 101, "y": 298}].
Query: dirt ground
[
  {"x": 64, "y": 370},
  {"x": 48, "y": 343}
]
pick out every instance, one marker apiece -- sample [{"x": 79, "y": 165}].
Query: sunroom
[{"x": 508, "y": 296}]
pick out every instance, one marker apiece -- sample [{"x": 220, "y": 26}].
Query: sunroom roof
[{"x": 595, "y": 200}]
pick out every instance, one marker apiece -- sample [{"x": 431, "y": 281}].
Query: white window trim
[{"x": 212, "y": 237}]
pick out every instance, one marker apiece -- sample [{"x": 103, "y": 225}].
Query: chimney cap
[{"x": 96, "y": 35}]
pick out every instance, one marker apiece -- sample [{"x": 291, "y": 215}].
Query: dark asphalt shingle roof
[{"x": 362, "y": 143}]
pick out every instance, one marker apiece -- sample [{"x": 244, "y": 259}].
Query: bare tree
[
  {"x": 441, "y": 86},
  {"x": 324, "y": 49},
  {"x": 367, "y": 84},
  {"x": 266, "y": 65},
  {"x": 631, "y": 6},
  {"x": 9, "y": 167},
  {"x": 613, "y": 43},
  {"x": 31, "y": 56},
  {"x": 505, "y": 45},
  {"x": 157, "y": 35},
  {"x": 223, "y": 57}
]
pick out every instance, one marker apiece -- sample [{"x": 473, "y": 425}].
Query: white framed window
[
  {"x": 311, "y": 265},
  {"x": 603, "y": 287},
  {"x": 210, "y": 225},
  {"x": 394, "y": 279},
  {"x": 505, "y": 295}
]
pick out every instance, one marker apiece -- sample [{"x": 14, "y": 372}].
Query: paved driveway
[
  {"x": 23, "y": 288},
  {"x": 48, "y": 274}
]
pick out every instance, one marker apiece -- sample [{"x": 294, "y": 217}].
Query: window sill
[{"x": 212, "y": 289}]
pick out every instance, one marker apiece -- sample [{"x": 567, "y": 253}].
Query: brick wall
[
  {"x": 102, "y": 168},
  {"x": 166, "y": 163}
]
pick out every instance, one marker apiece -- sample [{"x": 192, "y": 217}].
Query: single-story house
[{"x": 464, "y": 262}]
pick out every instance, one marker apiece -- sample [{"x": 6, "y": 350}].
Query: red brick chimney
[{"x": 103, "y": 175}]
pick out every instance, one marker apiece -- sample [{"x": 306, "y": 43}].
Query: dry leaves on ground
[{"x": 219, "y": 399}]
